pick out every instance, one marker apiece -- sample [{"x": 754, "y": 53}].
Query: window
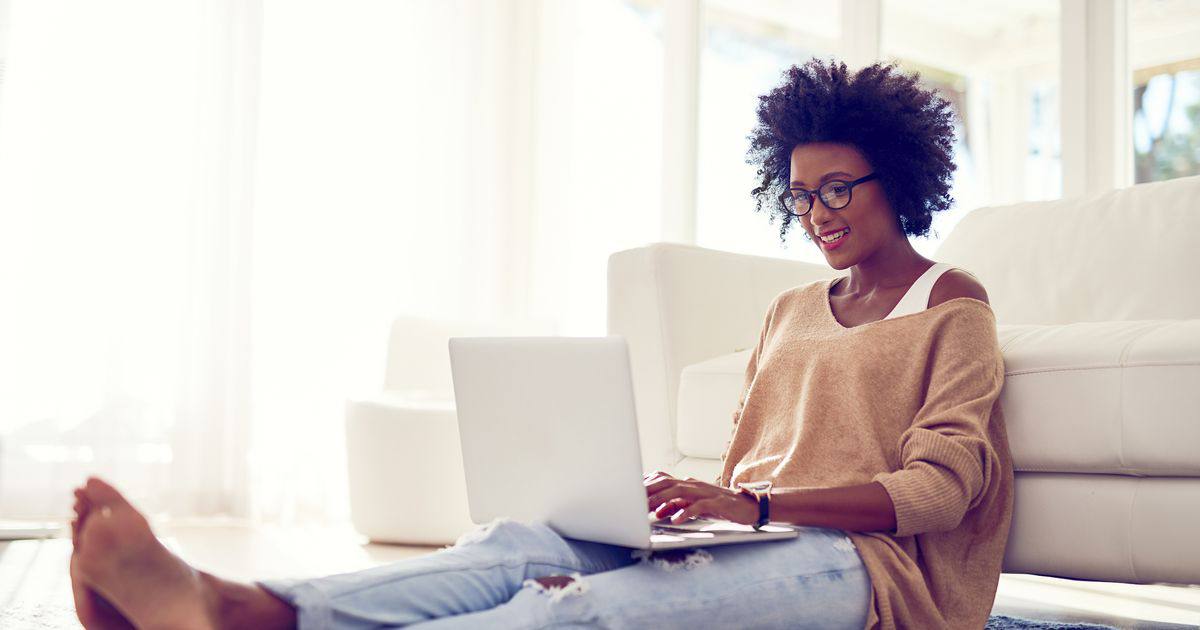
[
  {"x": 1164, "y": 56},
  {"x": 1004, "y": 95},
  {"x": 744, "y": 51},
  {"x": 92, "y": 335},
  {"x": 598, "y": 131}
]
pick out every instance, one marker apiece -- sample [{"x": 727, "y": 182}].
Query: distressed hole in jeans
[
  {"x": 558, "y": 586},
  {"x": 671, "y": 559}
]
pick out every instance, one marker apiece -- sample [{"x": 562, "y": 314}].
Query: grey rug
[{"x": 1006, "y": 622}]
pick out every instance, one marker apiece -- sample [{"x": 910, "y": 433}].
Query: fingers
[
  {"x": 693, "y": 510},
  {"x": 675, "y": 497},
  {"x": 655, "y": 477},
  {"x": 669, "y": 494},
  {"x": 658, "y": 484},
  {"x": 655, "y": 499},
  {"x": 670, "y": 507},
  {"x": 660, "y": 491}
]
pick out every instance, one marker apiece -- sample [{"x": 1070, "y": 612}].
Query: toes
[
  {"x": 97, "y": 499},
  {"x": 82, "y": 507},
  {"x": 99, "y": 492}
]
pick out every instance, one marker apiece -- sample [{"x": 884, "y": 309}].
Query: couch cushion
[
  {"x": 708, "y": 396},
  {"x": 1114, "y": 528},
  {"x": 1122, "y": 255},
  {"x": 1089, "y": 397}
]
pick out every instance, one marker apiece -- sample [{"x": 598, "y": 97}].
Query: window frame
[{"x": 1096, "y": 104}]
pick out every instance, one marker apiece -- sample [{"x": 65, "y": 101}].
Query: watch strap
[
  {"x": 762, "y": 495},
  {"x": 764, "y": 508}
]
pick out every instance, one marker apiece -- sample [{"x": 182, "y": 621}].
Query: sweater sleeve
[
  {"x": 946, "y": 456},
  {"x": 748, "y": 379}
]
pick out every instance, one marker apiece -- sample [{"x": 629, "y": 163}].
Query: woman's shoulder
[{"x": 957, "y": 283}]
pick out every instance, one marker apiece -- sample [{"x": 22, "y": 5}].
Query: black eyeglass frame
[{"x": 788, "y": 196}]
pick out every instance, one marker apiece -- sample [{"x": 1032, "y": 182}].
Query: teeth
[{"x": 833, "y": 237}]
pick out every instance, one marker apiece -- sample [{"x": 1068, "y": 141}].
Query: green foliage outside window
[{"x": 1166, "y": 123}]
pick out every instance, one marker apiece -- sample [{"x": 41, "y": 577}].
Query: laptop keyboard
[{"x": 696, "y": 525}]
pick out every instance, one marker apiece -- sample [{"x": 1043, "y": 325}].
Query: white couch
[
  {"x": 404, "y": 458},
  {"x": 1097, "y": 301}
]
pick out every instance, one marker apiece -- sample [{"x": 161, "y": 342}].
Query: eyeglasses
[{"x": 835, "y": 194}]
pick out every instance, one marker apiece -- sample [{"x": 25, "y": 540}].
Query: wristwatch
[{"x": 761, "y": 491}]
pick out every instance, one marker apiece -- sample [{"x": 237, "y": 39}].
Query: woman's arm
[
  {"x": 862, "y": 508},
  {"x": 866, "y": 507}
]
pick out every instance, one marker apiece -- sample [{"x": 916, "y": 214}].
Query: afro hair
[{"x": 904, "y": 132}]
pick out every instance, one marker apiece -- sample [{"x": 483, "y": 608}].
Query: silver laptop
[{"x": 549, "y": 433}]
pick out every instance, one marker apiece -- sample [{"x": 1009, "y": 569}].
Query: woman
[{"x": 870, "y": 403}]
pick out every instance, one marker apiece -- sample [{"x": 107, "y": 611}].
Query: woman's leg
[
  {"x": 482, "y": 570},
  {"x": 814, "y": 581}
]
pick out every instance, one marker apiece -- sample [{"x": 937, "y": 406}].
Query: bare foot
[
  {"x": 94, "y": 612},
  {"x": 124, "y": 577}
]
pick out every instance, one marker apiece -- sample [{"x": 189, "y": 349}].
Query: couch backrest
[
  {"x": 1121, "y": 255},
  {"x": 418, "y": 358},
  {"x": 678, "y": 304}
]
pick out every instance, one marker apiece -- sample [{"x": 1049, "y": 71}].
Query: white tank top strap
[{"x": 916, "y": 299}]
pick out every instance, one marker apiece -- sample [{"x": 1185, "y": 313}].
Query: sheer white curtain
[
  {"x": 212, "y": 210},
  {"x": 597, "y": 189},
  {"x": 376, "y": 196},
  {"x": 124, "y": 138},
  {"x": 174, "y": 326},
  {"x": 465, "y": 159}
]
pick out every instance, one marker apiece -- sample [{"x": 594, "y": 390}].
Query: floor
[{"x": 35, "y": 591}]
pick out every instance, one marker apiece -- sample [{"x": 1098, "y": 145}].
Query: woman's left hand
[{"x": 694, "y": 498}]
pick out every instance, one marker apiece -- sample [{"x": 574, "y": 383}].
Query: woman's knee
[{"x": 509, "y": 533}]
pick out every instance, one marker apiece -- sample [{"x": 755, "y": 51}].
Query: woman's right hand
[{"x": 651, "y": 477}]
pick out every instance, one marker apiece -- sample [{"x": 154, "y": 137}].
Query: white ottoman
[{"x": 405, "y": 470}]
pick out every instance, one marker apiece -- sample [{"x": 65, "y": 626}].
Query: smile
[{"x": 835, "y": 240}]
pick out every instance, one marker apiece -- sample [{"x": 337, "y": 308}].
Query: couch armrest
[
  {"x": 418, "y": 359},
  {"x": 679, "y": 304},
  {"x": 405, "y": 468}
]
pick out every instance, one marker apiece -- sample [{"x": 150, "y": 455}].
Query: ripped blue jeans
[{"x": 488, "y": 579}]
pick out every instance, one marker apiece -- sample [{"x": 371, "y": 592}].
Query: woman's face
[{"x": 869, "y": 216}]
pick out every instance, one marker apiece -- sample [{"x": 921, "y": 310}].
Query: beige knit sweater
[{"x": 911, "y": 402}]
